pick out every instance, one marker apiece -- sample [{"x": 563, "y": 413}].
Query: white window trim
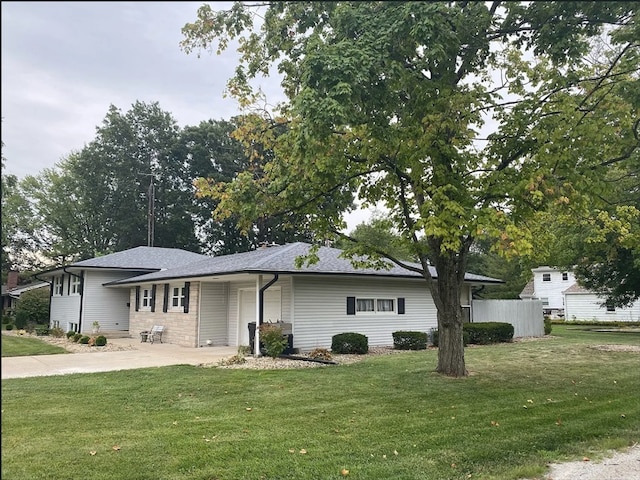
[
  {"x": 546, "y": 277},
  {"x": 143, "y": 297},
  {"x": 180, "y": 297},
  {"x": 375, "y": 310},
  {"x": 58, "y": 286},
  {"x": 75, "y": 285}
]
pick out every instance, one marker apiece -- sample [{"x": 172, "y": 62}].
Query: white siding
[
  {"x": 214, "y": 314},
  {"x": 106, "y": 305},
  {"x": 586, "y": 307},
  {"x": 65, "y": 310},
  {"x": 320, "y": 309},
  {"x": 525, "y": 316},
  {"x": 551, "y": 290}
]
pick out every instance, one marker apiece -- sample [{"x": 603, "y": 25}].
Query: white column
[{"x": 256, "y": 348}]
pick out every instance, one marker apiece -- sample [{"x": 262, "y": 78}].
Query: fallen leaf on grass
[
  {"x": 494, "y": 423},
  {"x": 93, "y": 453},
  {"x": 344, "y": 472},
  {"x": 585, "y": 459},
  {"x": 302, "y": 451},
  {"x": 116, "y": 448},
  {"x": 292, "y": 450},
  {"x": 248, "y": 409},
  {"x": 559, "y": 422}
]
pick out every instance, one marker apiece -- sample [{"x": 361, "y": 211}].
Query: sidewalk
[{"x": 143, "y": 355}]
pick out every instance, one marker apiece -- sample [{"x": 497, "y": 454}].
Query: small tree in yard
[
  {"x": 33, "y": 306},
  {"x": 273, "y": 339},
  {"x": 463, "y": 119}
]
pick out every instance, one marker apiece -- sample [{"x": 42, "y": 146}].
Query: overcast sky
[{"x": 64, "y": 63}]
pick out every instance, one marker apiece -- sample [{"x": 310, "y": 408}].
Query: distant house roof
[
  {"x": 575, "y": 288},
  {"x": 16, "y": 292},
  {"x": 528, "y": 290},
  {"x": 281, "y": 259},
  {"x": 137, "y": 259}
]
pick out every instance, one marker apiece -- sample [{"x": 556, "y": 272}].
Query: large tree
[{"x": 462, "y": 118}]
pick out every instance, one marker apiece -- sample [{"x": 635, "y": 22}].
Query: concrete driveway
[{"x": 142, "y": 356}]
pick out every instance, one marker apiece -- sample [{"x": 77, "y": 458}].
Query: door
[{"x": 247, "y": 314}]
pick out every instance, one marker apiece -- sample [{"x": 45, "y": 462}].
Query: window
[
  {"x": 75, "y": 285},
  {"x": 364, "y": 305},
  {"x": 545, "y": 302},
  {"x": 565, "y": 276},
  {"x": 57, "y": 285},
  {"x": 546, "y": 277},
  {"x": 177, "y": 297},
  {"x": 610, "y": 307},
  {"x": 73, "y": 327},
  {"x": 146, "y": 299}
]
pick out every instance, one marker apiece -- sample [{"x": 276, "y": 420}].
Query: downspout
[
  {"x": 256, "y": 344},
  {"x": 35, "y": 275},
  {"x": 64, "y": 269}
]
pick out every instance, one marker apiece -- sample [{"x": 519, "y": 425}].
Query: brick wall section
[{"x": 179, "y": 328}]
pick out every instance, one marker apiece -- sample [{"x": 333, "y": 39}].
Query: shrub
[
  {"x": 70, "y": 333},
  {"x": 272, "y": 338},
  {"x": 484, "y": 333},
  {"x": 77, "y": 337},
  {"x": 235, "y": 360},
  {"x": 7, "y": 319},
  {"x": 244, "y": 350},
  {"x": 33, "y": 306},
  {"x": 436, "y": 337},
  {"x": 84, "y": 339},
  {"x": 547, "y": 326},
  {"x": 320, "y": 354},
  {"x": 101, "y": 341},
  {"x": 41, "y": 330},
  {"x": 349, "y": 342},
  {"x": 56, "y": 332},
  {"x": 9, "y": 326},
  {"x": 410, "y": 340}
]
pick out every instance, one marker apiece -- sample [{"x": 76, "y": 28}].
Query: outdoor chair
[{"x": 155, "y": 334}]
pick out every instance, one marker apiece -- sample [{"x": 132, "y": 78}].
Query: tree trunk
[{"x": 446, "y": 292}]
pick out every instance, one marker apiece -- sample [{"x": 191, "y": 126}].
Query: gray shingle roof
[
  {"x": 281, "y": 259},
  {"x": 528, "y": 290},
  {"x": 140, "y": 259}
]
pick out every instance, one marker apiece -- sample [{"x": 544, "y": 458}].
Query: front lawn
[
  {"x": 387, "y": 417},
  {"x": 19, "y": 346}
]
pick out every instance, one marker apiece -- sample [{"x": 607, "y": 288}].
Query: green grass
[
  {"x": 18, "y": 346},
  {"x": 387, "y": 417}
]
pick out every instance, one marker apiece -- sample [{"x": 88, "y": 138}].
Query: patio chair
[{"x": 156, "y": 333}]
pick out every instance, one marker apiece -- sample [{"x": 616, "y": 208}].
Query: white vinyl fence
[{"x": 525, "y": 315}]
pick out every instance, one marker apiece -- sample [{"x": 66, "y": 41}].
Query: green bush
[
  {"x": 547, "y": 326},
  {"x": 7, "y": 319},
  {"x": 436, "y": 337},
  {"x": 273, "y": 339},
  {"x": 41, "y": 330},
  {"x": 101, "y": 341},
  {"x": 410, "y": 340},
  {"x": 84, "y": 339},
  {"x": 350, "y": 342},
  {"x": 9, "y": 326},
  {"x": 33, "y": 306},
  {"x": 77, "y": 337},
  {"x": 70, "y": 333},
  {"x": 484, "y": 333}
]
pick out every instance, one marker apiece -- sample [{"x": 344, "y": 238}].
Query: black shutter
[
  {"x": 351, "y": 305},
  {"x": 400, "y": 306},
  {"x": 137, "y": 298},
  {"x": 69, "y": 285},
  {"x": 153, "y": 297},
  {"x": 186, "y": 296},
  {"x": 81, "y": 286},
  {"x": 165, "y": 302},
  {"x": 62, "y": 284}
]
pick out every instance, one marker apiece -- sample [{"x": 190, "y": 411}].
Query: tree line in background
[{"x": 97, "y": 200}]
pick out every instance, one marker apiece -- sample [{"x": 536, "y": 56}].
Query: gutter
[{"x": 256, "y": 340}]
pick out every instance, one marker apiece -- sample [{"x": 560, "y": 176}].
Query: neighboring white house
[
  {"x": 563, "y": 297},
  {"x": 582, "y": 304},
  {"x": 548, "y": 285},
  {"x": 204, "y": 301}
]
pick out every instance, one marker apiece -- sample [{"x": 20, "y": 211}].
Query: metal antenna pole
[{"x": 151, "y": 194}]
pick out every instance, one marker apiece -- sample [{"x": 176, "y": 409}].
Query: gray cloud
[{"x": 64, "y": 63}]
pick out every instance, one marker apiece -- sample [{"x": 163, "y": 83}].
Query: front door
[{"x": 247, "y": 314}]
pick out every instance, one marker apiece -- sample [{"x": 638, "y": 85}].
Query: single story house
[
  {"x": 215, "y": 301},
  {"x": 11, "y": 291},
  {"x": 583, "y": 304},
  {"x": 208, "y": 301}
]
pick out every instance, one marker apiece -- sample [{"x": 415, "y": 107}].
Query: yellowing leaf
[
  {"x": 116, "y": 448},
  {"x": 344, "y": 472},
  {"x": 303, "y": 451},
  {"x": 92, "y": 452}
]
